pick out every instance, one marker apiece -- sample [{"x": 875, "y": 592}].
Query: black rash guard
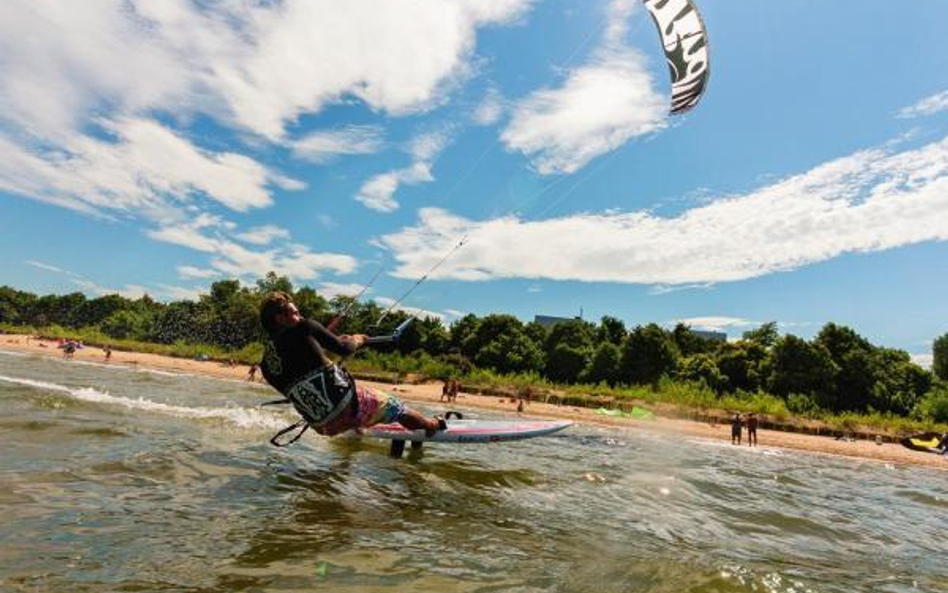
[{"x": 295, "y": 363}]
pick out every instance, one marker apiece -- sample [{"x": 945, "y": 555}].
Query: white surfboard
[{"x": 471, "y": 431}]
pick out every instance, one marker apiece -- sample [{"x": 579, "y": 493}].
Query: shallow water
[{"x": 117, "y": 479}]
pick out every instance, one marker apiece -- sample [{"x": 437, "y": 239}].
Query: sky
[{"x": 520, "y": 153}]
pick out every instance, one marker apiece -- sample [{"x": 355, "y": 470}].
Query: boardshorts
[{"x": 371, "y": 407}]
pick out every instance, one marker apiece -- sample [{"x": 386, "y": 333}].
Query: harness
[{"x": 312, "y": 397}]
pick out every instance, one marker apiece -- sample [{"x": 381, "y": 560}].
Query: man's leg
[{"x": 414, "y": 420}]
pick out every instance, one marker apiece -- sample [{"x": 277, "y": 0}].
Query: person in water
[
  {"x": 752, "y": 430},
  {"x": 295, "y": 363}
]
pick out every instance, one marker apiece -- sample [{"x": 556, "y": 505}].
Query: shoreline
[{"x": 429, "y": 394}]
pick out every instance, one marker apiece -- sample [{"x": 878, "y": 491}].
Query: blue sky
[{"x": 160, "y": 146}]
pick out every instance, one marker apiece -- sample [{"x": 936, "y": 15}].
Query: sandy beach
[{"x": 430, "y": 393}]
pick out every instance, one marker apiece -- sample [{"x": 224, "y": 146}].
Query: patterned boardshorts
[{"x": 375, "y": 407}]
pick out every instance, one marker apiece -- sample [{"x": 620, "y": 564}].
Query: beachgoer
[
  {"x": 108, "y": 353},
  {"x": 252, "y": 373},
  {"x": 455, "y": 388},
  {"x": 752, "y": 430},
  {"x": 295, "y": 363},
  {"x": 736, "y": 429},
  {"x": 69, "y": 349},
  {"x": 445, "y": 391}
]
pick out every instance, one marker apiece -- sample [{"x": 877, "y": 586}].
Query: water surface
[{"x": 120, "y": 479}]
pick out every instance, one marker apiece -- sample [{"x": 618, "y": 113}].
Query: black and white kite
[{"x": 686, "y": 49}]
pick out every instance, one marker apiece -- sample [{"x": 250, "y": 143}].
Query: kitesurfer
[{"x": 327, "y": 397}]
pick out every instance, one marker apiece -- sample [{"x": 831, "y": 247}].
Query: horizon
[{"x": 159, "y": 148}]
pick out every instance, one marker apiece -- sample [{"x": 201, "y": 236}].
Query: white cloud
[
  {"x": 331, "y": 290},
  {"x": 190, "y": 272},
  {"x": 600, "y": 106},
  {"x": 387, "y": 302},
  {"x": 378, "y": 193},
  {"x": 210, "y": 235},
  {"x": 924, "y": 360},
  {"x": 870, "y": 201},
  {"x": 256, "y": 65},
  {"x": 178, "y": 293},
  {"x": 145, "y": 170},
  {"x": 322, "y": 146},
  {"x": 490, "y": 109},
  {"x": 716, "y": 322},
  {"x": 130, "y": 291},
  {"x": 927, "y": 106},
  {"x": 263, "y": 235}
]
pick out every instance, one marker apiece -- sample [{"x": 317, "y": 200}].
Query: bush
[
  {"x": 803, "y": 405},
  {"x": 934, "y": 406}
]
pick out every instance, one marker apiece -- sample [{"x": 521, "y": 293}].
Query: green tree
[
  {"x": 611, "y": 330},
  {"x": 940, "y": 357},
  {"x": 94, "y": 311},
  {"x": 311, "y": 304},
  {"x": 741, "y": 364},
  {"x": 510, "y": 352},
  {"x": 15, "y": 305},
  {"x": 899, "y": 383},
  {"x": 690, "y": 343},
  {"x": 491, "y": 329},
  {"x": 566, "y": 363},
  {"x": 648, "y": 354},
  {"x": 840, "y": 340},
  {"x": 701, "y": 368},
  {"x": 462, "y": 333},
  {"x": 934, "y": 406},
  {"x": 766, "y": 335},
  {"x": 604, "y": 367},
  {"x": 126, "y": 323},
  {"x": 56, "y": 309},
  {"x": 434, "y": 336},
  {"x": 796, "y": 366},
  {"x": 568, "y": 349},
  {"x": 272, "y": 282}
]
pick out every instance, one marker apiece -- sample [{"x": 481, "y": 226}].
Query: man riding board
[{"x": 324, "y": 394}]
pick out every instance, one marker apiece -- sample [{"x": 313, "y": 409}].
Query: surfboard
[{"x": 471, "y": 431}]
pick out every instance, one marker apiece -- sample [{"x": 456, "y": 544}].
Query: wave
[{"x": 241, "y": 417}]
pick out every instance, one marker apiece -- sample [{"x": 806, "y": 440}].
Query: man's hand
[{"x": 357, "y": 340}]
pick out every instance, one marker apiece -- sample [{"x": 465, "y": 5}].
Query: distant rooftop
[
  {"x": 548, "y": 321},
  {"x": 710, "y": 335}
]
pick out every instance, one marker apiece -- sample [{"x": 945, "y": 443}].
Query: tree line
[{"x": 836, "y": 371}]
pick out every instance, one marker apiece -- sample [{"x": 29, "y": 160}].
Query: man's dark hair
[{"x": 274, "y": 304}]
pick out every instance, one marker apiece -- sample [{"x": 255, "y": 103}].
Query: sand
[{"x": 430, "y": 393}]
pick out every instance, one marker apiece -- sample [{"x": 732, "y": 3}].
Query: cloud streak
[
  {"x": 378, "y": 193},
  {"x": 869, "y": 201},
  {"x": 928, "y": 106},
  {"x": 323, "y": 146}
]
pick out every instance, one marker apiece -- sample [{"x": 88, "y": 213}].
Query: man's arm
[{"x": 342, "y": 345}]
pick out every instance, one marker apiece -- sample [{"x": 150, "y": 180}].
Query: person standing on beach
[
  {"x": 108, "y": 353},
  {"x": 752, "y": 430},
  {"x": 252, "y": 373},
  {"x": 736, "y": 429},
  {"x": 295, "y": 363}
]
